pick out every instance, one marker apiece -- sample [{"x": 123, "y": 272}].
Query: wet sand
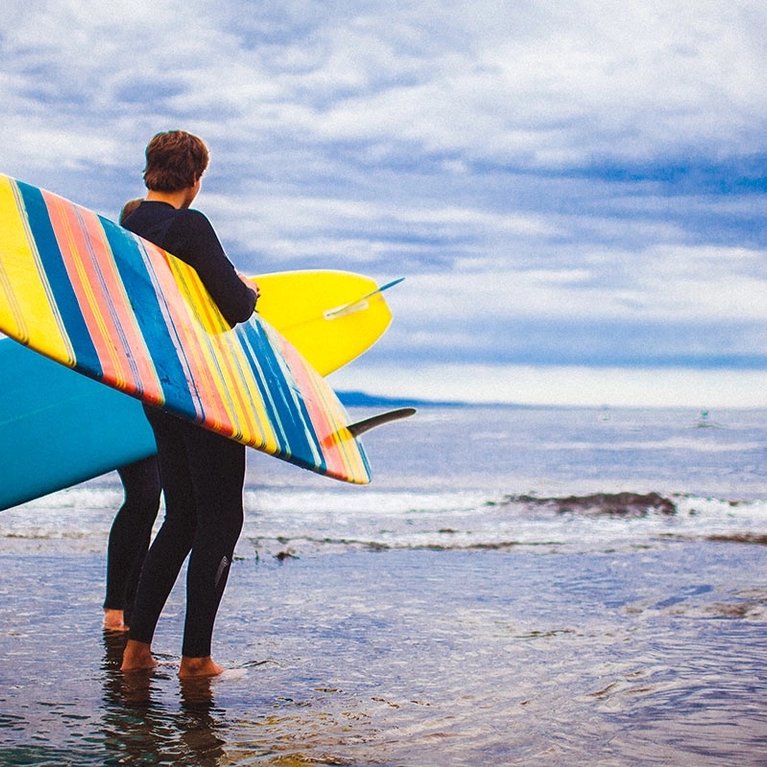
[{"x": 524, "y": 656}]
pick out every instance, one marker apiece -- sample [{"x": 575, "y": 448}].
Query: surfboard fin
[
  {"x": 361, "y": 427},
  {"x": 360, "y": 304}
]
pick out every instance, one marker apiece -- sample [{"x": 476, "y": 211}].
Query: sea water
[{"x": 517, "y": 586}]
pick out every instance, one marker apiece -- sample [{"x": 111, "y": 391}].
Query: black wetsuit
[
  {"x": 202, "y": 473},
  {"x": 131, "y": 532}
]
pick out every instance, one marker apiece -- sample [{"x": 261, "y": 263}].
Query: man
[{"x": 202, "y": 473}]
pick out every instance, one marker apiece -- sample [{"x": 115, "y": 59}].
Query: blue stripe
[
  {"x": 64, "y": 295},
  {"x": 287, "y": 414},
  {"x": 138, "y": 285}
]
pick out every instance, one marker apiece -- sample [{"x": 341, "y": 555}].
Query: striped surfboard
[{"x": 90, "y": 295}]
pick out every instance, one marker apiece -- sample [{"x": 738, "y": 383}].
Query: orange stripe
[
  {"x": 212, "y": 330},
  {"x": 135, "y": 353},
  {"x": 75, "y": 249},
  {"x": 112, "y": 327},
  {"x": 186, "y": 343},
  {"x": 244, "y": 400},
  {"x": 154, "y": 263}
]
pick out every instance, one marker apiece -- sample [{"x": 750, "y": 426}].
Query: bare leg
[
  {"x": 114, "y": 620},
  {"x": 198, "y": 667},
  {"x": 137, "y": 656}
]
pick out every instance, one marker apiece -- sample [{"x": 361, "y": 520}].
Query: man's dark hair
[{"x": 174, "y": 161}]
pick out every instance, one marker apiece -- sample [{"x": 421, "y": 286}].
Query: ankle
[
  {"x": 205, "y": 666},
  {"x": 114, "y": 620},
  {"x": 137, "y": 656}
]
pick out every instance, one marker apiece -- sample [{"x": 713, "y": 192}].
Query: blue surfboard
[{"x": 58, "y": 428}]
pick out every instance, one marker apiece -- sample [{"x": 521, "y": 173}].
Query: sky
[{"x": 574, "y": 190}]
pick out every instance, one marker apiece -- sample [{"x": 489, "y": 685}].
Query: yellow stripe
[
  {"x": 250, "y": 407},
  {"x": 194, "y": 348},
  {"x": 23, "y": 291},
  {"x": 202, "y": 354},
  {"x": 249, "y": 418},
  {"x": 260, "y": 416},
  {"x": 342, "y": 437}
]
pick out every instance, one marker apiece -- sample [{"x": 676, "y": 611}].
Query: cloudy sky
[{"x": 573, "y": 189}]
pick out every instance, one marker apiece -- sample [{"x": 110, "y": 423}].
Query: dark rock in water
[
  {"x": 740, "y": 538},
  {"x": 629, "y": 505}
]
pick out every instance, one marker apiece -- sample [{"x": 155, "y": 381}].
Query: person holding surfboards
[
  {"x": 131, "y": 528},
  {"x": 202, "y": 473}
]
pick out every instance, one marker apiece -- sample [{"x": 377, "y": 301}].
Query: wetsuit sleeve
[{"x": 201, "y": 248}]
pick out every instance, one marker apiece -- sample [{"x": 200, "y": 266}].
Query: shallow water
[
  {"x": 407, "y": 658},
  {"x": 435, "y": 618}
]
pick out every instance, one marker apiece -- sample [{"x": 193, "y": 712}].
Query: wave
[
  {"x": 288, "y": 525},
  {"x": 288, "y": 522}
]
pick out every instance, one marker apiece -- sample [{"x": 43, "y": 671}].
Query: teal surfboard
[{"x": 58, "y": 428}]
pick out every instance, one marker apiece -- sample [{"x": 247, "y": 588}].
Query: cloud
[{"x": 579, "y": 181}]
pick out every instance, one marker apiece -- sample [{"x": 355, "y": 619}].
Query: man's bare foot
[
  {"x": 198, "y": 667},
  {"x": 137, "y": 657},
  {"x": 114, "y": 620}
]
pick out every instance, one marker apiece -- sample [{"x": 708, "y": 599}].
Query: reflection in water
[{"x": 139, "y": 730}]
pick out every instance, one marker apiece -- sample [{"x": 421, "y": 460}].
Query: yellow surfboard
[{"x": 330, "y": 316}]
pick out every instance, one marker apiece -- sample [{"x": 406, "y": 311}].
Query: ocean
[{"x": 517, "y": 586}]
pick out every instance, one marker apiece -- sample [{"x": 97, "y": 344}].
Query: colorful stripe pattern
[{"x": 91, "y": 295}]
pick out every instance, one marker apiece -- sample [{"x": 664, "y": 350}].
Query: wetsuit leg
[
  {"x": 202, "y": 475},
  {"x": 174, "y": 538},
  {"x": 131, "y": 532},
  {"x": 218, "y": 472}
]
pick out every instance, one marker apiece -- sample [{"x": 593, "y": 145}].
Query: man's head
[{"x": 175, "y": 160}]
